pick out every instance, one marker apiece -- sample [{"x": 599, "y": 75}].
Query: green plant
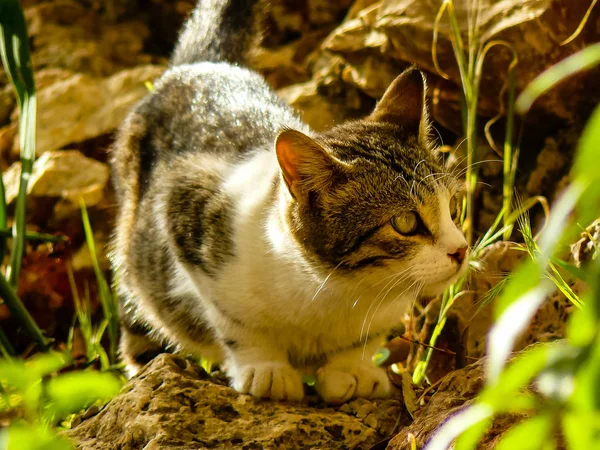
[
  {"x": 565, "y": 373},
  {"x": 33, "y": 393},
  {"x": 470, "y": 65},
  {"x": 38, "y": 398},
  {"x": 14, "y": 49},
  {"x": 108, "y": 299},
  {"x": 469, "y": 58}
]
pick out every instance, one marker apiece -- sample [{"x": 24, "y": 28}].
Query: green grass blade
[
  {"x": 14, "y": 49},
  {"x": 583, "y": 60},
  {"x": 108, "y": 300},
  {"x": 33, "y": 236},
  {"x": 3, "y": 219},
  {"x": 510, "y": 158},
  {"x": 528, "y": 435},
  {"x": 457, "y": 424},
  {"x": 6, "y": 347},
  {"x": 21, "y": 314}
]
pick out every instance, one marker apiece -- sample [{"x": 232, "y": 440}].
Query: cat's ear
[
  {"x": 403, "y": 103},
  {"x": 305, "y": 165}
]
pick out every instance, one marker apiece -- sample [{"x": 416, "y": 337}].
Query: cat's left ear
[
  {"x": 403, "y": 103},
  {"x": 305, "y": 164}
]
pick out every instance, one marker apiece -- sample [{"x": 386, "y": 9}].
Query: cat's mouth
[{"x": 438, "y": 286}]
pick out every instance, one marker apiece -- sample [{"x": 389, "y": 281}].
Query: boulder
[
  {"x": 174, "y": 404},
  {"x": 66, "y": 175},
  {"x": 454, "y": 392},
  {"x": 81, "y": 107},
  {"x": 402, "y": 31}
]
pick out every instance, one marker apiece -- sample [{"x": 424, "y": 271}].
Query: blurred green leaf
[
  {"x": 554, "y": 232},
  {"x": 585, "y": 169},
  {"x": 525, "y": 278},
  {"x": 458, "y": 424},
  {"x": 34, "y": 437},
  {"x": 586, "y": 396},
  {"x": 580, "y": 61},
  {"x": 582, "y": 430},
  {"x": 521, "y": 371},
  {"x": 512, "y": 323},
  {"x": 469, "y": 439},
  {"x": 74, "y": 391},
  {"x": 24, "y": 378},
  {"x": 530, "y": 434},
  {"x": 13, "y": 373},
  {"x": 48, "y": 363},
  {"x": 572, "y": 270},
  {"x": 581, "y": 328}
]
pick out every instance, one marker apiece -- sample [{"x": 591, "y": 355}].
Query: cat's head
[{"x": 370, "y": 197}]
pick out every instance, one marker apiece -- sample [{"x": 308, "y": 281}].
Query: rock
[
  {"x": 454, "y": 392},
  {"x": 81, "y": 107},
  {"x": 402, "y": 30},
  {"x": 586, "y": 248},
  {"x": 66, "y": 175},
  {"x": 288, "y": 64},
  {"x": 174, "y": 404},
  {"x": 82, "y": 258},
  {"x": 65, "y": 34},
  {"x": 316, "y": 110}
]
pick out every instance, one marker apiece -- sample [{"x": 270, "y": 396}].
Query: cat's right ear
[
  {"x": 305, "y": 165},
  {"x": 403, "y": 103}
]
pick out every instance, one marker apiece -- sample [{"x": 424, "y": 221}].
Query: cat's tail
[{"x": 217, "y": 30}]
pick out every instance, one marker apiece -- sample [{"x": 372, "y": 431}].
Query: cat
[{"x": 247, "y": 238}]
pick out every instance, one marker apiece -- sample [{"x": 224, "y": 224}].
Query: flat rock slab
[{"x": 174, "y": 404}]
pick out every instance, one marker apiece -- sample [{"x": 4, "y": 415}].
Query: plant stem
[
  {"x": 19, "y": 312},
  {"x": 107, "y": 298},
  {"x": 14, "y": 49},
  {"x": 3, "y": 221},
  {"x": 509, "y": 164},
  {"x": 6, "y": 347},
  {"x": 27, "y": 127},
  {"x": 33, "y": 236}
]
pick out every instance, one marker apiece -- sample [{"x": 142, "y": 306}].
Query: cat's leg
[
  {"x": 136, "y": 346},
  {"x": 350, "y": 374},
  {"x": 258, "y": 366}
]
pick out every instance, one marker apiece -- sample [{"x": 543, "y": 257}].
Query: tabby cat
[{"x": 248, "y": 238}]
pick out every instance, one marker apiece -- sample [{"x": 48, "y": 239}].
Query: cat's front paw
[
  {"x": 338, "y": 385},
  {"x": 277, "y": 381}
]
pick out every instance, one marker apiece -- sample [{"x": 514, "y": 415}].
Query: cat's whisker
[
  {"x": 402, "y": 276},
  {"x": 401, "y": 176},
  {"x": 379, "y": 304},
  {"x": 441, "y": 175},
  {"x": 325, "y": 281},
  {"x": 393, "y": 280},
  {"x": 373, "y": 317},
  {"x": 378, "y": 283},
  {"x": 396, "y": 276},
  {"x": 438, "y": 133},
  {"x": 464, "y": 169}
]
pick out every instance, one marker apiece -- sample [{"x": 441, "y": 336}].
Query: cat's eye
[
  {"x": 406, "y": 223},
  {"x": 454, "y": 208}
]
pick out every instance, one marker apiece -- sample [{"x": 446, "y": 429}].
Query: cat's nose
[{"x": 459, "y": 254}]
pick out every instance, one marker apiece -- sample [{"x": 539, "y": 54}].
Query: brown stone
[
  {"x": 402, "y": 30},
  {"x": 174, "y": 404},
  {"x": 82, "y": 107},
  {"x": 455, "y": 391}
]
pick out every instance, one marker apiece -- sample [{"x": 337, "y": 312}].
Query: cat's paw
[
  {"x": 338, "y": 385},
  {"x": 277, "y": 381}
]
